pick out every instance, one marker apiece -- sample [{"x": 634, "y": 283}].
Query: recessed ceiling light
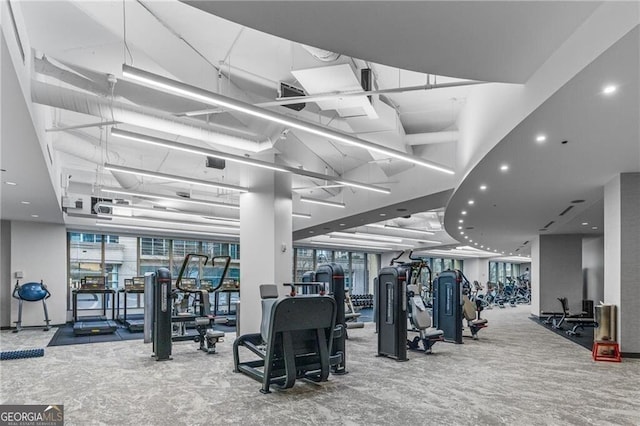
[
  {"x": 481, "y": 246},
  {"x": 504, "y": 167},
  {"x": 459, "y": 227},
  {"x": 460, "y": 221},
  {"x": 585, "y": 223},
  {"x": 461, "y": 232},
  {"x": 470, "y": 241},
  {"x": 483, "y": 187},
  {"x": 311, "y": 232},
  {"x": 35, "y": 215},
  {"x": 25, "y": 202},
  {"x": 471, "y": 202},
  {"x": 342, "y": 224},
  {"x": 510, "y": 254},
  {"x": 607, "y": 90},
  {"x": 476, "y": 243},
  {"x": 466, "y": 237},
  {"x": 541, "y": 138},
  {"x": 463, "y": 212},
  {"x": 10, "y": 183},
  {"x": 594, "y": 227},
  {"x": 488, "y": 248},
  {"x": 383, "y": 214}
]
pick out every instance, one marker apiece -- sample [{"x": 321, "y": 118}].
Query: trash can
[{"x": 607, "y": 321}]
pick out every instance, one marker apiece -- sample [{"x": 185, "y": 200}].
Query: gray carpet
[{"x": 518, "y": 373}]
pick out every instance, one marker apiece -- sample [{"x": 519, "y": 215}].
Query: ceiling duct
[
  {"x": 98, "y": 106},
  {"x": 321, "y": 54}
]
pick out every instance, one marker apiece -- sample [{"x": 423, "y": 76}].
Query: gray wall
[
  {"x": 560, "y": 271},
  {"x": 39, "y": 250},
  {"x": 593, "y": 268},
  {"x": 6, "y": 281}
]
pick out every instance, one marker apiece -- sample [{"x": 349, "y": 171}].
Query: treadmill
[
  {"x": 133, "y": 322},
  {"x": 95, "y": 324}
]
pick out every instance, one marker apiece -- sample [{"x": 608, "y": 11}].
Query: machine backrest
[
  {"x": 269, "y": 296},
  {"x": 302, "y": 315},
  {"x": 468, "y": 308},
  {"x": 419, "y": 314}
]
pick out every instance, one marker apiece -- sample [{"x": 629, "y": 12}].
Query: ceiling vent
[
  {"x": 289, "y": 91},
  {"x": 549, "y": 224},
  {"x": 215, "y": 163},
  {"x": 183, "y": 194}
]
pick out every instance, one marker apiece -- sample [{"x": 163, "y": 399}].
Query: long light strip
[
  {"x": 364, "y": 236},
  {"x": 417, "y": 231},
  {"x": 192, "y": 92},
  {"x": 302, "y": 215},
  {"x": 170, "y": 198},
  {"x": 151, "y": 140},
  {"x": 343, "y": 245},
  {"x": 172, "y": 212},
  {"x": 382, "y": 243},
  {"x": 164, "y": 230},
  {"x": 103, "y": 216},
  {"x": 322, "y": 202},
  {"x": 193, "y": 181}
]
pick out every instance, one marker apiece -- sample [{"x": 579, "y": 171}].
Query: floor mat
[
  {"x": 585, "y": 339},
  {"x": 65, "y": 336}
]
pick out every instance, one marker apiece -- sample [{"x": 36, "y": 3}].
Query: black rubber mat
[
  {"x": 65, "y": 336},
  {"x": 585, "y": 339}
]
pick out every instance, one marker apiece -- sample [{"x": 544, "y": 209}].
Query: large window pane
[
  {"x": 304, "y": 263},
  {"x": 323, "y": 256},
  {"x": 358, "y": 273},
  {"x": 154, "y": 254},
  {"x": 342, "y": 259}
]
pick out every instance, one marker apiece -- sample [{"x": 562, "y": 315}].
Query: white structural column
[
  {"x": 556, "y": 271},
  {"x": 622, "y": 256},
  {"x": 266, "y": 253}
]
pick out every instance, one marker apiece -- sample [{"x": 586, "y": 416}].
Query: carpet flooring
[{"x": 517, "y": 373}]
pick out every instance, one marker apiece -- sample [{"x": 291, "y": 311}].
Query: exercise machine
[
  {"x": 167, "y": 324},
  {"x": 31, "y": 292},
  {"x": 94, "y": 324},
  {"x": 133, "y": 322},
  {"x": 332, "y": 275},
  {"x": 400, "y": 308},
  {"x": 452, "y": 305},
  {"x": 295, "y": 340}
]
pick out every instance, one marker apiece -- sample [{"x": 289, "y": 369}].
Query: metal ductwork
[
  {"x": 84, "y": 103},
  {"x": 321, "y": 54},
  {"x": 78, "y": 145}
]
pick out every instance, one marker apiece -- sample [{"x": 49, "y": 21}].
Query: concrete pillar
[
  {"x": 556, "y": 271},
  {"x": 622, "y": 256},
  {"x": 266, "y": 252}
]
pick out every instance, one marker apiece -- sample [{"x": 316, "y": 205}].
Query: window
[{"x": 303, "y": 262}]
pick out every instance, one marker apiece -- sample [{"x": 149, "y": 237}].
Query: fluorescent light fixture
[
  {"x": 349, "y": 244},
  {"x": 303, "y": 215},
  {"x": 26, "y": 203},
  {"x": 377, "y": 225},
  {"x": 102, "y": 216},
  {"x": 137, "y": 137},
  {"x": 10, "y": 183},
  {"x": 585, "y": 223},
  {"x": 541, "y": 138},
  {"x": 151, "y": 140},
  {"x": 365, "y": 236},
  {"x": 382, "y": 243},
  {"x": 165, "y": 211},
  {"x": 35, "y": 215},
  {"x": 170, "y": 198},
  {"x": 140, "y": 172},
  {"x": 607, "y": 90},
  {"x": 210, "y": 98},
  {"x": 417, "y": 231},
  {"x": 322, "y": 202},
  {"x": 164, "y": 230}
]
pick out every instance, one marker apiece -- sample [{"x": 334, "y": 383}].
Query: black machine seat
[{"x": 299, "y": 335}]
